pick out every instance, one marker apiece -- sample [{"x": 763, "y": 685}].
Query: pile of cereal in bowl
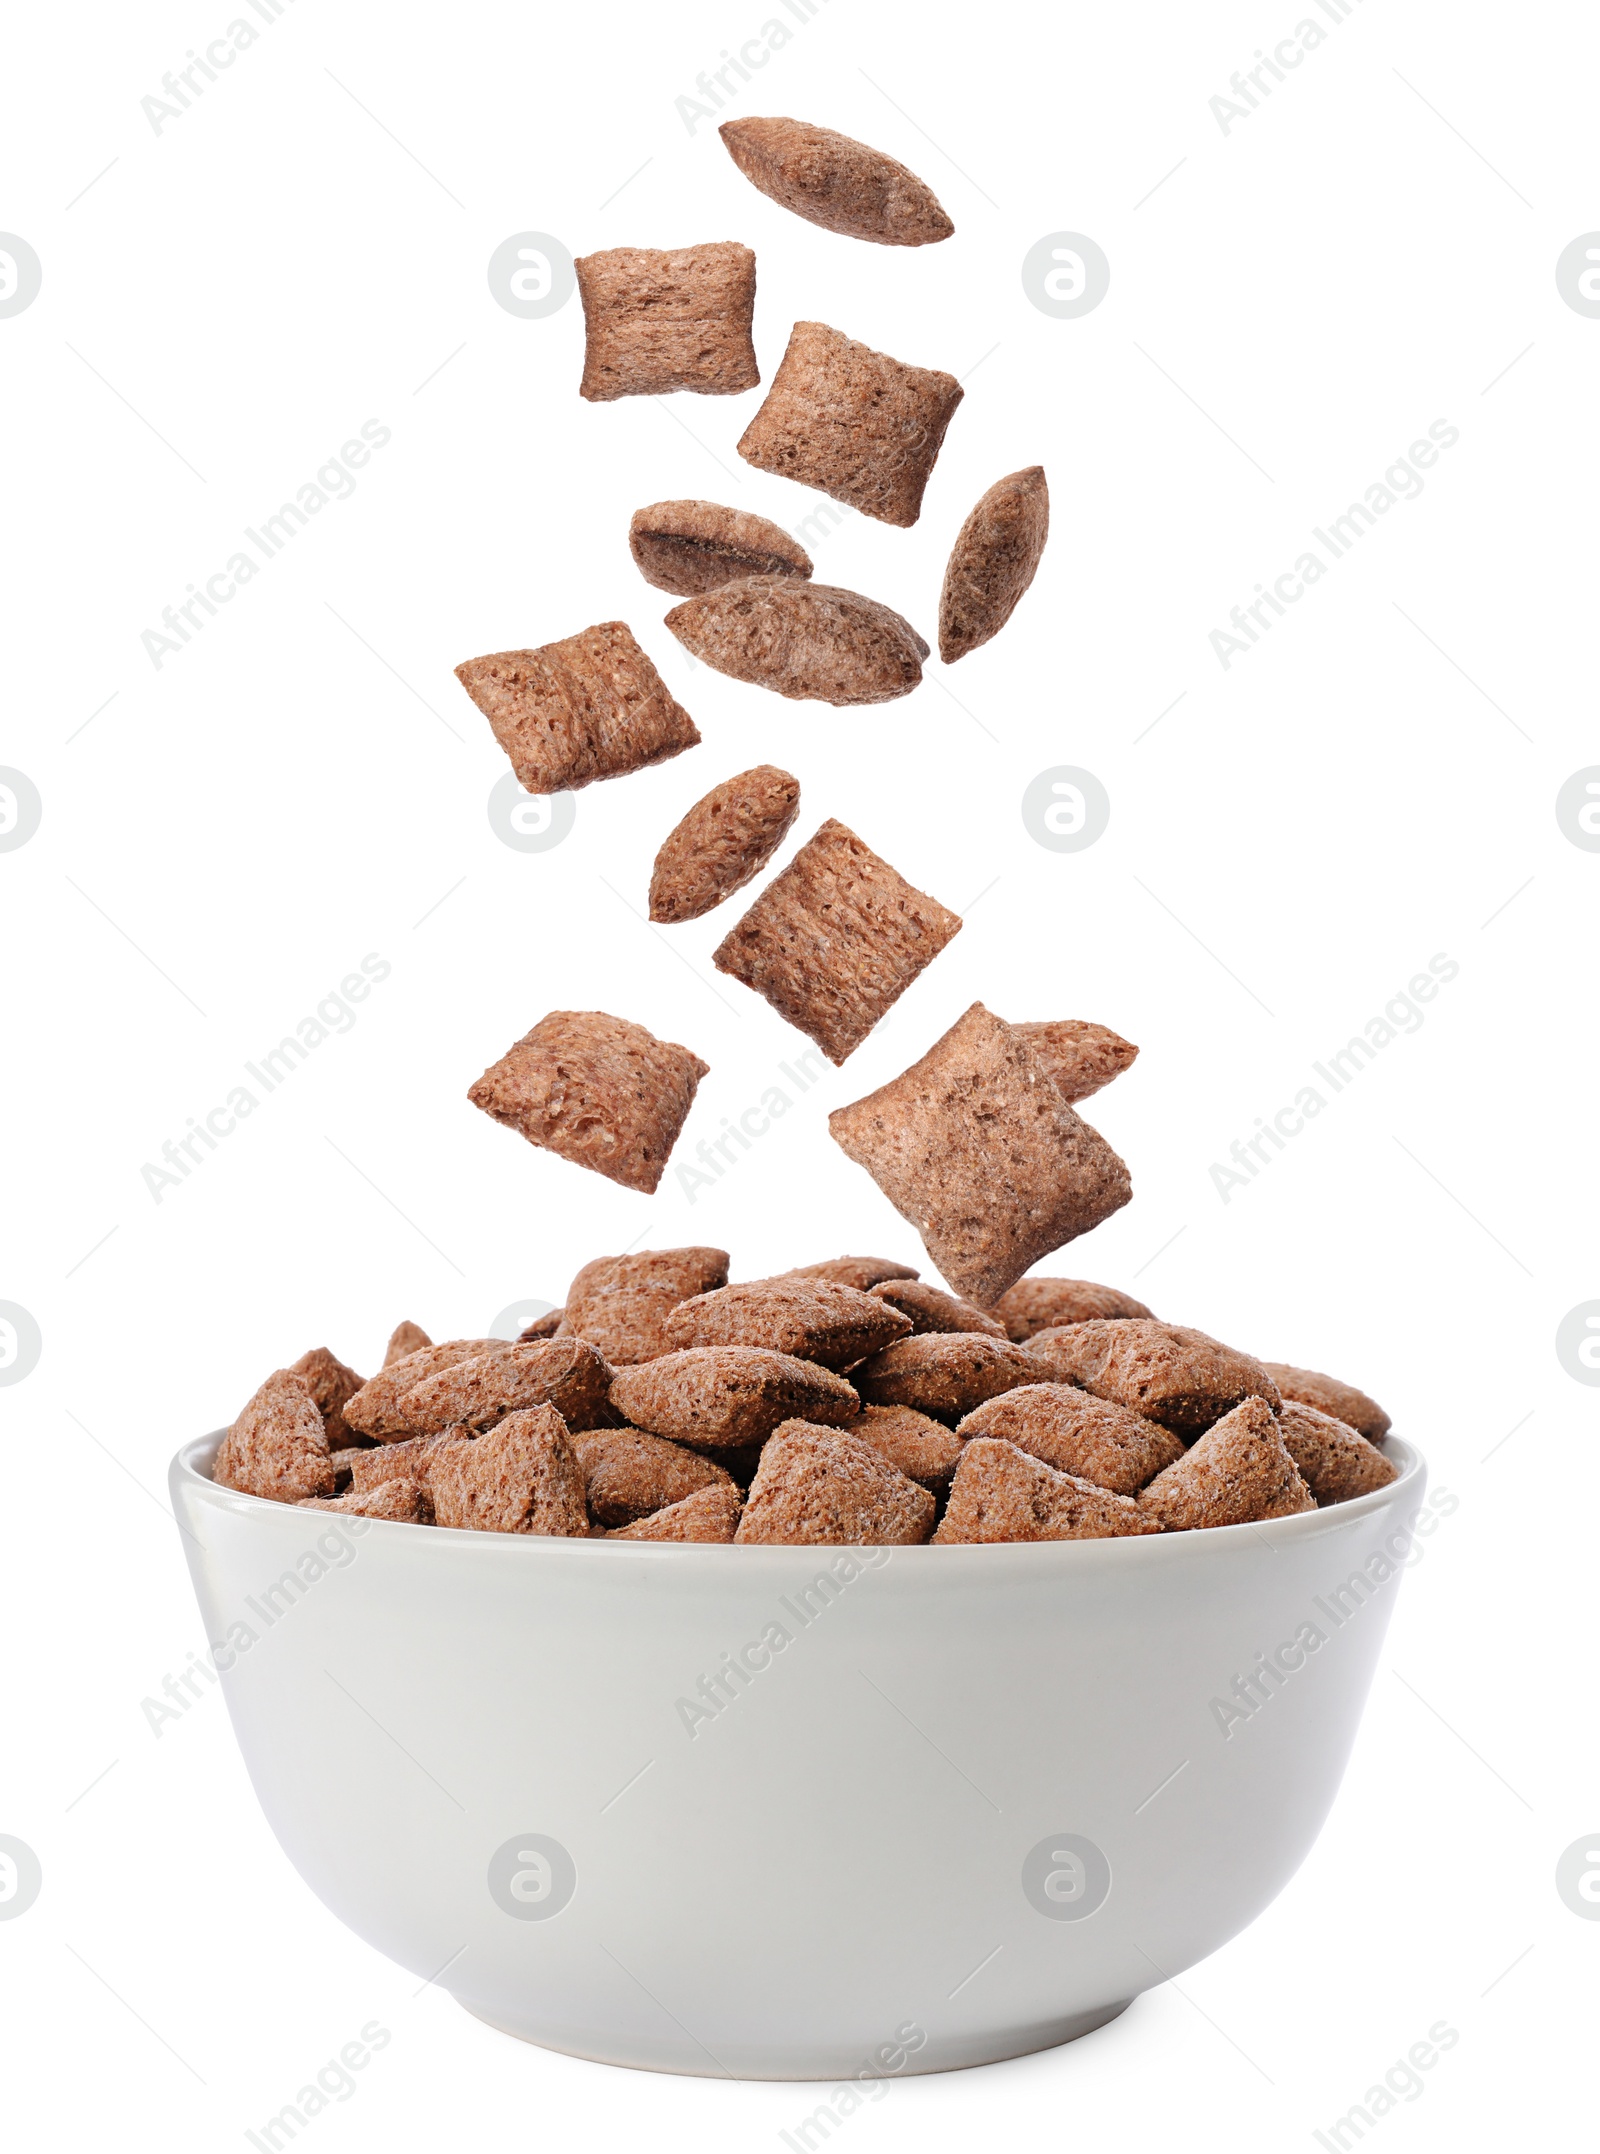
[{"x": 846, "y": 1402}]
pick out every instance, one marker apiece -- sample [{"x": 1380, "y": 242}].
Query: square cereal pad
[
  {"x": 599, "y": 1091},
  {"x": 976, "y": 1147},
  {"x": 591, "y": 706},
  {"x": 853, "y": 423},
  {"x": 664, "y": 318},
  {"x": 835, "y": 940}
]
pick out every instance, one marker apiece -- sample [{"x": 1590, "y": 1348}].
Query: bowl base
[{"x": 959, "y": 2054}]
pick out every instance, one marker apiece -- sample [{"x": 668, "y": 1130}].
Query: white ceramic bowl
[{"x": 956, "y": 1804}]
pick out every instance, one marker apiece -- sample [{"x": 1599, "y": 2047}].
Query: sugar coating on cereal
[
  {"x": 621, "y": 1304},
  {"x": 995, "y": 557},
  {"x": 815, "y": 1319},
  {"x": 1003, "y": 1494},
  {"x": 1075, "y": 1433},
  {"x": 277, "y": 1448},
  {"x": 1042, "y": 1304},
  {"x": 568, "y": 1374},
  {"x": 398, "y": 1498},
  {"x": 853, "y": 423},
  {"x": 945, "y": 1374},
  {"x": 930, "y": 1308},
  {"x": 1169, "y": 1372},
  {"x": 522, "y": 1477},
  {"x": 691, "y": 546},
  {"x": 715, "y": 1398},
  {"x": 921, "y": 1448},
  {"x": 828, "y": 1487},
  {"x": 596, "y": 1090},
  {"x": 724, "y": 842},
  {"x": 658, "y": 319},
  {"x": 629, "y": 1474},
  {"x": 1082, "y": 1058},
  {"x": 567, "y": 714},
  {"x": 331, "y": 1384},
  {"x": 978, "y": 1150},
  {"x": 832, "y": 180},
  {"x": 1331, "y": 1396},
  {"x": 858, "y": 1271},
  {"x": 710, "y": 1514},
  {"x": 811, "y": 642},
  {"x": 1336, "y": 1462},
  {"x": 835, "y": 940},
  {"x": 1237, "y": 1473},
  {"x": 405, "y": 1339}
]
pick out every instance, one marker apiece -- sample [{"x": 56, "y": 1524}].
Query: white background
[{"x": 304, "y": 783}]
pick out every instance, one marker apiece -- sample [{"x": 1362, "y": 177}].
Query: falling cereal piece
[
  {"x": 835, "y": 940},
  {"x": 1167, "y": 1372},
  {"x": 598, "y": 1091},
  {"x": 659, "y": 319},
  {"x": 1091, "y": 1438},
  {"x": 978, "y": 1150},
  {"x": 1238, "y": 1473},
  {"x": 814, "y": 1319},
  {"x": 811, "y": 642},
  {"x": 995, "y": 558},
  {"x": 589, "y": 707},
  {"x": 1329, "y": 1396},
  {"x": 520, "y": 1478},
  {"x": 1082, "y": 1058},
  {"x": 277, "y": 1448},
  {"x": 832, "y": 180},
  {"x": 691, "y": 546},
  {"x": 1335, "y": 1461},
  {"x": 710, "y": 1514},
  {"x": 853, "y": 423},
  {"x": 1001, "y": 1494},
  {"x": 828, "y": 1487},
  {"x": 723, "y": 842}
]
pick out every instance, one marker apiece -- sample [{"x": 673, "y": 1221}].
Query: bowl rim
[{"x": 188, "y": 1473}]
